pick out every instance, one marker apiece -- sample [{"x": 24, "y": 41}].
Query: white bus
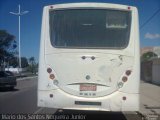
[{"x": 89, "y": 57}]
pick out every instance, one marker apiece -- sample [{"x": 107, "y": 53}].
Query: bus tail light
[
  {"x": 51, "y": 95},
  {"x": 124, "y": 79},
  {"x": 49, "y": 70},
  {"x": 124, "y": 98},
  {"x": 128, "y": 72},
  {"x": 52, "y": 76}
]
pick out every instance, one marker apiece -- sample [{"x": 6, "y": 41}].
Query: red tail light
[
  {"x": 51, "y": 95},
  {"x": 49, "y": 70},
  {"x": 128, "y": 72},
  {"x": 124, "y": 98}
]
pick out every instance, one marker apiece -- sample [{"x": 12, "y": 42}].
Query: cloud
[{"x": 152, "y": 36}]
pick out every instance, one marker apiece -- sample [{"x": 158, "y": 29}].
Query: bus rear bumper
[{"x": 117, "y": 101}]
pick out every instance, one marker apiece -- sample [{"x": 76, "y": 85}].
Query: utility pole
[{"x": 19, "y": 14}]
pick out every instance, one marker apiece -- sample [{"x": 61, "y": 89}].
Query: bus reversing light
[
  {"x": 128, "y": 72},
  {"x": 52, "y": 76},
  {"x": 49, "y": 70},
  {"x": 56, "y": 82},
  {"x": 124, "y": 79},
  {"x": 120, "y": 84}
]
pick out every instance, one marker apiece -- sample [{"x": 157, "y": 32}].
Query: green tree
[
  {"x": 13, "y": 61},
  {"x": 32, "y": 60},
  {"x": 7, "y": 46},
  {"x": 32, "y": 65},
  {"x": 24, "y": 62},
  {"x": 148, "y": 55}
]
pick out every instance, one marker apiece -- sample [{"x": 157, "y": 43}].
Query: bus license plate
[{"x": 86, "y": 87}]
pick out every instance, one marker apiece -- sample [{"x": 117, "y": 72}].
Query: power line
[{"x": 150, "y": 18}]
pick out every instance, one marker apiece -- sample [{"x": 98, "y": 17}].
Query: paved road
[
  {"x": 149, "y": 98},
  {"x": 23, "y": 100},
  {"x": 20, "y": 100}
]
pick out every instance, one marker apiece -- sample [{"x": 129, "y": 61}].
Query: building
[
  {"x": 155, "y": 49},
  {"x": 146, "y": 49}
]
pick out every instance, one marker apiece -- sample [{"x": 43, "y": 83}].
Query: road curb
[{"x": 26, "y": 78}]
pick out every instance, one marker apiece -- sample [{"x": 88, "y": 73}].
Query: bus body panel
[
  {"x": 113, "y": 102},
  {"x": 105, "y": 71}
]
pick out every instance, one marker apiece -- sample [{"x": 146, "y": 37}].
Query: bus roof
[{"x": 90, "y": 5}]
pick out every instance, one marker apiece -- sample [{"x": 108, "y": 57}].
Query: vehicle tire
[{"x": 12, "y": 88}]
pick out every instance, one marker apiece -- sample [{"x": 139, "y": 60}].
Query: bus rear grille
[{"x": 87, "y": 103}]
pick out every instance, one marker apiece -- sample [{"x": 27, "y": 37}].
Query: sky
[{"x": 31, "y": 22}]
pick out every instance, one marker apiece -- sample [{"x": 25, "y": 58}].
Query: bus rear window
[{"x": 89, "y": 28}]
